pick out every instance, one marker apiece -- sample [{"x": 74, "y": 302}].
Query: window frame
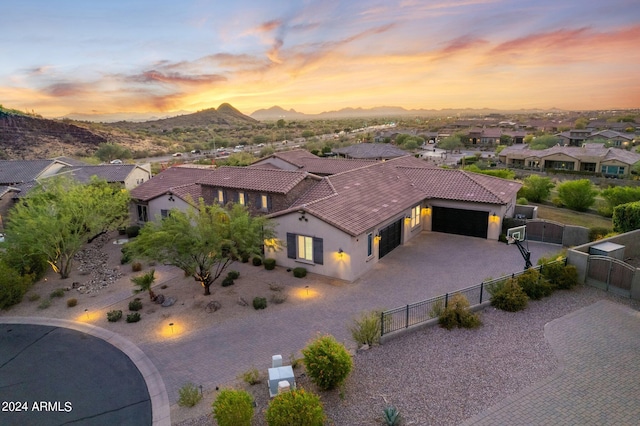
[
  {"x": 416, "y": 211},
  {"x": 369, "y": 244},
  {"x": 143, "y": 212}
]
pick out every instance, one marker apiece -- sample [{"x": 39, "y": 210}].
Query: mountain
[
  {"x": 276, "y": 113},
  {"x": 121, "y": 116},
  {"x": 26, "y": 137},
  {"x": 225, "y": 116}
]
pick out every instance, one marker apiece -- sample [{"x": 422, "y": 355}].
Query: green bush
[
  {"x": 58, "y": 292},
  {"x": 598, "y": 233},
  {"x": 458, "y": 314},
  {"x": 72, "y": 302},
  {"x": 620, "y": 195},
  {"x": 508, "y": 296},
  {"x": 113, "y": 316},
  {"x": 233, "y": 408},
  {"x": 44, "y": 304},
  {"x": 269, "y": 264},
  {"x": 245, "y": 257},
  {"x": 534, "y": 284},
  {"x": 259, "y": 303},
  {"x": 365, "y": 330},
  {"x": 522, "y": 201},
  {"x": 133, "y": 317},
  {"x": 327, "y": 361},
  {"x": 257, "y": 261},
  {"x": 32, "y": 297},
  {"x": 552, "y": 271},
  {"x": 299, "y": 272},
  {"x": 227, "y": 281},
  {"x": 13, "y": 286},
  {"x": 189, "y": 395},
  {"x": 135, "y": 304},
  {"x": 234, "y": 275},
  {"x": 126, "y": 257},
  {"x": 535, "y": 188},
  {"x": 251, "y": 376},
  {"x": 295, "y": 408},
  {"x": 568, "y": 278},
  {"x": 626, "y": 217},
  {"x": 132, "y": 231},
  {"x": 577, "y": 195}
]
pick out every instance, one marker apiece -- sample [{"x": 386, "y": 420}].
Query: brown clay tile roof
[
  {"x": 308, "y": 162},
  {"x": 190, "y": 192},
  {"x": 371, "y": 151},
  {"x": 254, "y": 179},
  {"x": 165, "y": 181}
]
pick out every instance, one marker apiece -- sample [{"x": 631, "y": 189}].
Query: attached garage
[
  {"x": 390, "y": 238},
  {"x": 459, "y": 221}
]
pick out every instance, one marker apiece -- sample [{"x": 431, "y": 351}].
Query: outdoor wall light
[
  {"x": 86, "y": 311},
  {"x": 171, "y": 325},
  {"x": 340, "y": 252},
  {"x": 171, "y": 198}
]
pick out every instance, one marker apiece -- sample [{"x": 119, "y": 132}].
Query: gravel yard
[{"x": 439, "y": 377}]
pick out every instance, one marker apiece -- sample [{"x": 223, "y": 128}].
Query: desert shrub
[
  {"x": 534, "y": 284},
  {"x": 295, "y": 408},
  {"x": 133, "y": 317},
  {"x": 508, "y": 296},
  {"x": 437, "y": 308},
  {"x": 72, "y": 302},
  {"x": 135, "y": 304},
  {"x": 327, "y": 361},
  {"x": 535, "y": 188},
  {"x": 294, "y": 361},
  {"x": 522, "y": 201},
  {"x": 458, "y": 314},
  {"x": 391, "y": 416},
  {"x": 257, "y": 261},
  {"x": 233, "y": 408},
  {"x": 269, "y": 264},
  {"x": 365, "y": 330},
  {"x": 33, "y": 297},
  {"x": 132, "y": 231},
  {"x": 259, "y": 303},
  {"x": 126, "y": 255},
  {"x": 568, "y": 278},
  {"x": 275, "y": 287},
  {"x": 227, "y": 281},
  {"x": 189, "y": 395},
  {"x": 245, "y": 257},
  {"x": 278, "y": 297},
  {"x": 234, "y": 275},
  {"x": 551, "y": 271},
  {"x": 626, "y": 217},
  {"x": 251, "y": 376},
  {"x": 13, "y": 286},
  {"x": 58, "y": 292},
  {"x": 44, "y": 304},
  {"x": 136, "y": 267},
  {"x": 113, "y": 316},
  {"x": 577, "y": 195},
  {"x": 598, "y": 233},
  {"x": 299, "y": 272}
]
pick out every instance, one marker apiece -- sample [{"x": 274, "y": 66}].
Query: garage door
[
  {"x": 458, "y": 221},
  {"x": 390, "y": 238}
]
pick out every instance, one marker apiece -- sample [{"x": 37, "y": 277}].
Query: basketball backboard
[{"x": 516, "y": 233}]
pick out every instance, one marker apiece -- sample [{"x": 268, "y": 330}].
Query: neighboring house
[
  {"x": 617, "y": 139},
  {"x": 574, "y": 137},
  {"x": 129, "y": 175},
  {"x": 371, "y": 151},
  {"x": 302, "y": 160},
  {"x": 348, "y": 221},
  {"x": 593, "y": 158}
]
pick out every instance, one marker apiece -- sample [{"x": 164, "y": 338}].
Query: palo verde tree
[
  {"x": 202, "y": 241},
  {"x": 59, "y": 216}
]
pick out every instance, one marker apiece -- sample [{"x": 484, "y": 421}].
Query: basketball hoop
[{"x": 511, "y": 240}]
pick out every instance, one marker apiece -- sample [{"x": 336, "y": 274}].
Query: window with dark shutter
[
  {"x": 291, "y": 245},
  {"x": 318, "y": 251}
]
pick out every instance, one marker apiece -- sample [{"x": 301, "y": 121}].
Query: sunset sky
[{"x": 99, "y": 56}]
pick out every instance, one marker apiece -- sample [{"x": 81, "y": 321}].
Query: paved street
[{"x": 599, "y": 379}]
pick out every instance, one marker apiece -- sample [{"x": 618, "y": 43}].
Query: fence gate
[
  {"x": 610, "y": 274},
  {"x": 545, "y": 231}
]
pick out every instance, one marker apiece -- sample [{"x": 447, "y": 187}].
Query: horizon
[{"x": 140, "y": 57}]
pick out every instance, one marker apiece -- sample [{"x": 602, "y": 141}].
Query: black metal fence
[{"x": 416, "y": 313}]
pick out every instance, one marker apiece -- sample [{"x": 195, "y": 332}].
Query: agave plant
[{"x": 391, "y": 416}]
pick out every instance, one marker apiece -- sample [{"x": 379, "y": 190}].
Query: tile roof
[
  {"x": 6, "y": 189},
  {"x": 71, "y": 161},
  {"x": 254, "y": 179},
  {"x": 371, "y": 151},
  {"x": 165, "y": 181},
  {"x": 308, "y": 162},
  {"x": 358, "y": 200},
  {"x": 108, "y": 172},
  {"x": 17, "y": 171},
  {"x": 190, "y": 192},
  {"x": 590, "y": 151}
]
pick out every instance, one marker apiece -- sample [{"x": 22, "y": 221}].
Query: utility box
[
  {"x": 279, "y": 374},
  {"x": 608, "y": 249}
]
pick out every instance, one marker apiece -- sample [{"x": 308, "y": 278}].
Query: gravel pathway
[{"x": 439, "y": 377}]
